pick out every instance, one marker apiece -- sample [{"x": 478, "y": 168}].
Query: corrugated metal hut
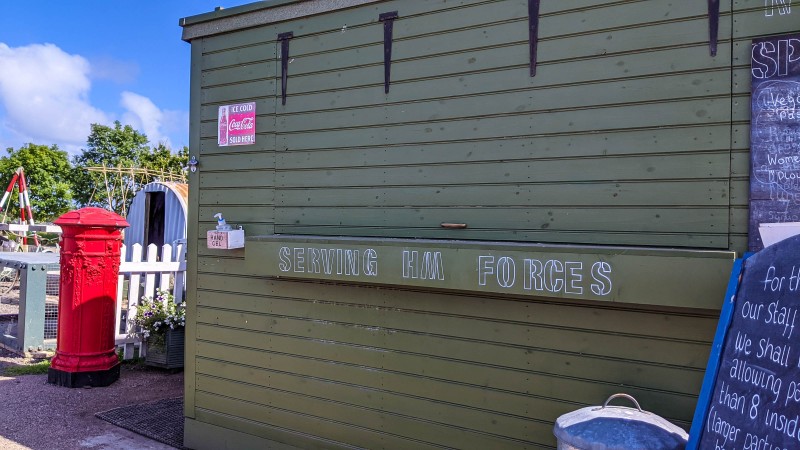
[
  {"x": 464, "y": 218},
  {"x": 157, "y": 214}
]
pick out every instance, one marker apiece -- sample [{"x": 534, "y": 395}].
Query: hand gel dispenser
[{"x": 224, "y": 237}]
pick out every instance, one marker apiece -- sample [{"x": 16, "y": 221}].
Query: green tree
[
  {"x": 117, "y": 163},
  {"x": 47, "y": 173}
]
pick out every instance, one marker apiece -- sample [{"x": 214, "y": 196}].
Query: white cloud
[
  {"x": 142, "y": 114},
  {"x": 45, "y": 94},
  {"x": 44, "y": 99}
]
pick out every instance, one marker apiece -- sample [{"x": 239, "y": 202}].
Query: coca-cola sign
[{"x": 237, "y": 124}]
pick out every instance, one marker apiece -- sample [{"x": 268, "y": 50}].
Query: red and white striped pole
[
  {"x": 25, "y": 204},
  {"x": 7, "y": 195}
]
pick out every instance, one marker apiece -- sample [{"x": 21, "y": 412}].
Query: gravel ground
[{"x": 41, "y": 416}]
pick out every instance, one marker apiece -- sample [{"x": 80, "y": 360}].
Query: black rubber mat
[{"x": 161, "y": 420}]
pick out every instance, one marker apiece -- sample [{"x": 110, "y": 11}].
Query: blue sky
[{"x": 67, "y": 64}]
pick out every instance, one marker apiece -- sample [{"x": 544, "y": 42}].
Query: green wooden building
[{"x": 463, "y": 218}]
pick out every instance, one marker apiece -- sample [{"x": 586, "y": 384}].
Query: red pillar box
[{"x": 90, "y": 254}]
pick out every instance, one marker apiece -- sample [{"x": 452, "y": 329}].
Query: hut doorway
[{"x": 154, "y": 219}]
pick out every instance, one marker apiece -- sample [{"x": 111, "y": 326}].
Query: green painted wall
[{"x": 630, "y": 135}]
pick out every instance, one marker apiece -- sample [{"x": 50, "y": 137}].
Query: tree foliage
[
  {"x": 117, "y": 163},
  {"x": 47, "y": 173},
  {"x": 57, "y": 184}
]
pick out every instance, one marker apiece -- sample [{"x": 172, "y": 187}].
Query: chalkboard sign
[
  {"x": 774, "y": 133},
  {"x": 751, "y": 393}
]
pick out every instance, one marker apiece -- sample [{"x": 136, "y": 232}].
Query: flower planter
[{"x": 169, "y": 354}]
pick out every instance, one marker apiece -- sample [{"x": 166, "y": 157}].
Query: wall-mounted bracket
[
  {"x": 284, "y": 38},
  {"x": 533, "y": 32},
  {"x": 713, "y": 26},
  {"x": 388, "y": 29},
  {"x": 193, "y": 162}
]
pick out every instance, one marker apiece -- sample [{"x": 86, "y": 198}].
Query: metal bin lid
[{"x": 618, "y": 428}]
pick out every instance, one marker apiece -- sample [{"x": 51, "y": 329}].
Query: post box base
[{"x": 98, "y": 378}]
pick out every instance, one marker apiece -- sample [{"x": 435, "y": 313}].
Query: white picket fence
[{"x": 142, "y": 274}]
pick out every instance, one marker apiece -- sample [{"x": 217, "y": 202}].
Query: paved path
[{"x": 41, "y": 416}]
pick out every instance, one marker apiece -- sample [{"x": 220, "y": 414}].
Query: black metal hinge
[
  {"x": 533, "y": 32},
  {"x": 713, "y": 25},
  {"x": 284, "y": 38},
  {"x": 388, "y": 28}
]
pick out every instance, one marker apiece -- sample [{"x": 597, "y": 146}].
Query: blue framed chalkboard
[
  {"x": 750, "y": 397},
  {"x": 774, "y": 133}
]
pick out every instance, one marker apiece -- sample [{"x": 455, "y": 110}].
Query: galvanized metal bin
[{"x": 617, "y": 428}]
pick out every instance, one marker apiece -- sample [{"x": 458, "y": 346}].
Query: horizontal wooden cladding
[
  {"x": 754, "y": 18},
  {"x": 237, "y": 213},
  {"x": 305, "y": 96},
  {"x": 403, "y": 337},
  {"x": 245, "y": 157},
  {"x": 680, "y": 166},
  {"x": 667, "y": 193},
  {"x": 640, "y": 321},
  {"x": 243, "y": 72},
  {"x": 435, "y": 231},
  {"x": 239, "y": 65},
  {"x": 426, "y": 17},
  {"x": 363, "y": 408},
  {"x": 596, "y": 31},
  {"x": 317, "y": 425},
  {"x": 708, "y": 111},
  {"x": 598, "y": 219},
  {"x": 574, "y": 98},
  {"x": 434, "y": 361},
  {"x": 367, "y": 388},
  {"x": 240, "y": 178},
  {"x": 238, "y": 196},
  {"x": 673, "y": 141}
]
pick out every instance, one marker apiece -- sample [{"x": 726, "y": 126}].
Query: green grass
[{"x": 39, "y": 368}]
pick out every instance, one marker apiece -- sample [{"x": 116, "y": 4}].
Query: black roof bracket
[
  {"x": 388, "y": 29},
  {"x": 713, "y": 26},
  {"x": 284, "y": 39}
]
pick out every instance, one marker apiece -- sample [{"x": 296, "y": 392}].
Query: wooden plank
[
  {"x": 259, "y": 294},
  {"x": 437, "y": 414},
  {"x": 264, "y": 142},
  {"x": 230, "y": 56},
  {"x": 668, "y": 193},
  {"x": 250, "y": 196},
  {"x": 534, "y": 401},
  {"x": 237, "y": 213},
  {"x": 263, "y": 178},
  {"x": 660, "y": 89},
  {"x": 315, "y": 426},
  {"x": 469, "y": 29},
  {"x": 248, "y": 160},
  {"x": 751, "y": 19},
  {"x": 239, "y": 92},
  {"x": 577, "y": 342},
  {"x": 242, "y": 72},
  {"x": 529, "y": 148},
  {"x": 365, "y": 420},
  {"x": 192, "y": 230},
  {"x": 611, "y": 219},
  {"x": 691, "y": 112},
  {"x": 307, "y": 95},
  {"x": 214, "y": 430},
  {"x": 681, "y": 166},
  {"x": 507, "y": 365},
  {"x": 412, "y": 63},
  {"x": 640, "y": 239}
]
